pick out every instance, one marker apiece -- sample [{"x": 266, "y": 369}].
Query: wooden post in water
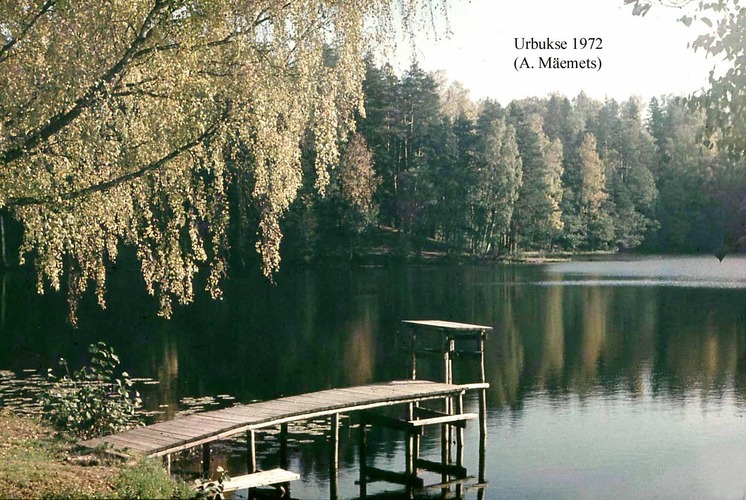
[
  {"x": 414, "y": 443},
  {"x": 284, "y": 446},
  {"x": 206, "y": 460},
  {"x": 410, "y": 466},
  {"x": 334, "y": 458},
  {"x": 251, "y": 452},
  {"x": 444, "y": 427},
  {"x": 284, "y": 460},
  {"x": 449, "y": 402},
  {"x": 444, "y": 450},
  {"x": 363, "y": 459},
  {"x": 413, "y": 352},
  {"x": 482, "y": 411},
  {"x": 460, "y": 433}
]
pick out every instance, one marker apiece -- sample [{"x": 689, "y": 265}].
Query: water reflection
[
  {"x": 561, "y": 360},
  {"x": 359, "y": 358},
  {"x": 553, "y": 349},
  {"x": 613, "y": 339}
]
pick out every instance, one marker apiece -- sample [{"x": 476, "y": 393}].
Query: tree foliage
[
  {"x": 595, "y": 222},
  {"x": 185, "y": 128},
  {"x": 723, "y": 104},
  {"x": 538, "y": 206},
  {"x": 125, "y": 122},
  {"x": 499, "y": 171},
  {"x": 547, "y": 173},
  {"x": 357, "y": 178}
]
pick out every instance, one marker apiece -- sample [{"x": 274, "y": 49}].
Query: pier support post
[
  {"x": 251, "y": 452},
  {"x": 409, "y": 465},
  {"x": 363, "y": 459},
  {"x": 334, "y": 458},
  {"x": 482, "y": 412},
  {"x": 415, "y": 439},
  {"x": 284, "y": 446},
  {"x": 460, "y": 433},
  {"x": 206, "y": 460},
  {"x": 447, "y": 436},
  {"x": 413, "y": 353}
]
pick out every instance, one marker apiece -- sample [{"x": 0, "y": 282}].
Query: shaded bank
[{"x": 37, "y": 462}]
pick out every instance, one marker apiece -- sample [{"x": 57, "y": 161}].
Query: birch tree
[{"x": 123, "y": 122}]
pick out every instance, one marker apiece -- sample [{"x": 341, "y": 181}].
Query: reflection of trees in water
[
  {"x": 564, "y": 339},
  {"x": 704, "y": 355},
  {"x": 634, "y": 321},
  {"x": 324, "y": 327},
  {"x": 594, "y": 317},
  {"x": 359, "y": 352},
  {"x": 504, "y": 353},
  {"x": 553, "y": 347},
  {"x": 168, "y": 377}
]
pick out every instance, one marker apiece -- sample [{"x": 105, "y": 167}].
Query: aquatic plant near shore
[{"x": 95, "y": 400}]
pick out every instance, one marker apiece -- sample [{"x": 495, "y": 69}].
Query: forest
[
  {"x": 197, "y": 135},
  {"x": 429, "y": 168},
  {"x": 547, "y": 174}
]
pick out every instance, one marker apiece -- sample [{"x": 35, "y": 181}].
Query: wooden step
[
  {"x": 415, "y": 426},
  {"x": 458, "y": 420},
  {"x": 257, "y": 479}
]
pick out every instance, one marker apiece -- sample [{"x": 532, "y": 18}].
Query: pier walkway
[
  {"x": 172, "y": 436},
  {"x": 165, "y": 438}
]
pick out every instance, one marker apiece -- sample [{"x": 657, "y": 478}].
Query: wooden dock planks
[
  {"x": 171, "y": 436},
  {"x": 257, "y": 479}
]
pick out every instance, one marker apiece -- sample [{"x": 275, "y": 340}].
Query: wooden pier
[{"x": 165, "y": 438}]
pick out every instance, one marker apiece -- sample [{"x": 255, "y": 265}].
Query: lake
[{"x": 616, "y": 379}]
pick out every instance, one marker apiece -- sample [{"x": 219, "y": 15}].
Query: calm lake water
[{"x": 621, "y": 379}]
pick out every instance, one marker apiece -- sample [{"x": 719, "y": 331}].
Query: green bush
[{"x": 93, "y": 401}]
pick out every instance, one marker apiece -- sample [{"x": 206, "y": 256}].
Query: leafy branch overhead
[
  {"x": 723, "y": 23},
  {"x": 126, "y": 122}
]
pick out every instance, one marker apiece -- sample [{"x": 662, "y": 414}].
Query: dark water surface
[{"x": 622, "y": 379}]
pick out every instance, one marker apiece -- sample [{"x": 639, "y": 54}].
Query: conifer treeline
[{"x": 540, "y": 174}]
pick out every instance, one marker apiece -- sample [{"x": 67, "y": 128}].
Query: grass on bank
[{"x": 38, "y": 462}]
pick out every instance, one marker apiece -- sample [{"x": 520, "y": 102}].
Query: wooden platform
[
  {"x": 449, "y": 327},
  {"x": 258, "y": 479},
  {"x": 175, "y": 435}
]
